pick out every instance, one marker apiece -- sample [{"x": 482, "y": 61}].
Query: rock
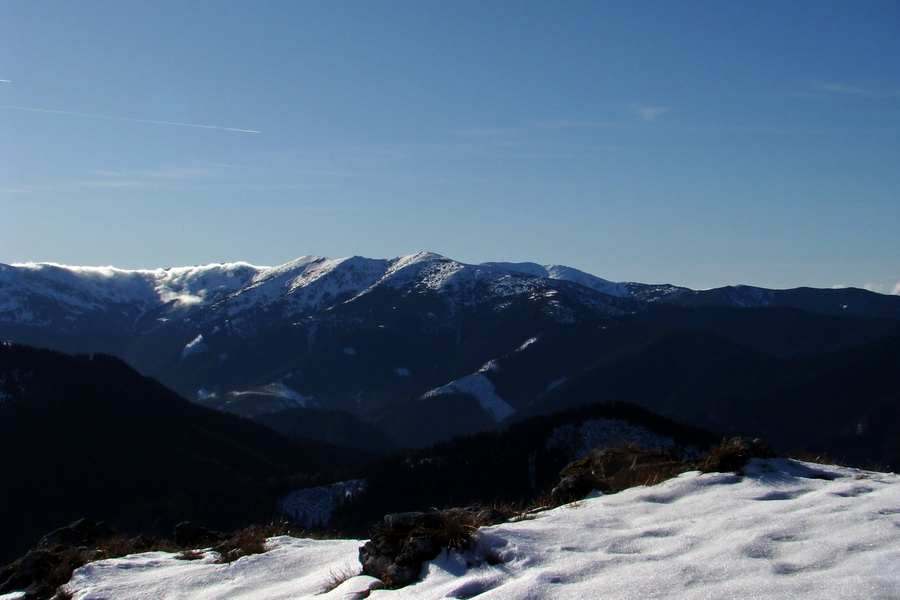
[
  {"x": 410, "y": 520},
  {"x": 80, "y": 533},
  {"x": 405, "y": 541},
  {"x": 613, "y": 470},
  {"x": 733, "y": 454},
  {"x": 190, "y": 535},
  {"x": 22, "y": 573},
  {"x": 52, "y": 561}
]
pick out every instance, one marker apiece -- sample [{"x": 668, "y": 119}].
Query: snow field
[
  {"x": 294, "y": 568},
  {"x": 786, "y": 530}
]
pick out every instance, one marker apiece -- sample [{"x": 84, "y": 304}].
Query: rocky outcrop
[
  {"x": 733, "y": 454},
  {"x": 191, "y": 535},
  {"x": 52, "y": 561},
  {"x": 612, "y": 470},
  {"x": 405, "y": 541}
]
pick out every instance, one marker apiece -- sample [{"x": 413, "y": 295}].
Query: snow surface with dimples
[{"x": 785, "y": 529}]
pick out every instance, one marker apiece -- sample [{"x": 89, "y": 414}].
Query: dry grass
[
  {"x": 252, "y": 540},
  {"x": 732, "y": 455},
  {"x": 56, "y": 565},
  {"x": 190, "y": 555},
  {"x": 338, "y": 576}
]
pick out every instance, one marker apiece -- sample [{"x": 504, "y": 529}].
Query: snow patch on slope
[
  {"x": 293, "y": 568},
  {"x": 312, "y": 507},
  {"x": 527, "y": 343},
  {"x": 480, "y": 387},
  {"x": 195, "y": 346}
]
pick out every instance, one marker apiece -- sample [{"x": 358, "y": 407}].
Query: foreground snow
[{"x": 786, "y": 530}]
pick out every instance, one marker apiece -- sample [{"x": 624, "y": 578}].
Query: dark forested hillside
[
  {"x": 87, "y": 436},
  {"x": 818, "y": 403},
  {"x": 510, "y": 467}
]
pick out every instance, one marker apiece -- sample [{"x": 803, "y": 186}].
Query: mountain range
[{"x": 404, "y": 352}]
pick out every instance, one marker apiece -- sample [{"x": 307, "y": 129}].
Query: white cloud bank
[{"x": 884, "y": 288}]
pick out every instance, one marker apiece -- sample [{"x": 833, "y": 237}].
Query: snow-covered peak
[
  {"x": 301, "y": 286},
  {"x": 429, "y": 268},
  {"x": 563, "y": 273}
]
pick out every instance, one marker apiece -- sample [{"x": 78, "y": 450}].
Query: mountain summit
[{"x": 422, "y": 347}]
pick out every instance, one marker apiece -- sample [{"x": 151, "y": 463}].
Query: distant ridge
[{"x": 421, "y": 347}]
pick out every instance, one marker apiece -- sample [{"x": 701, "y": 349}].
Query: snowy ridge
[
  {"x": 53, "y": 295},
  {"x": 260, "y": 400},
  {"x": 786, "y": 529},
  {"x": 307, "y": 284},
  {"x": 562, "y": 273},
  {"x": 302, "y": 286}
]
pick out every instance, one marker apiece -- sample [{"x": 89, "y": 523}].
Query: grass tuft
[{"x": 338, "y": 576}]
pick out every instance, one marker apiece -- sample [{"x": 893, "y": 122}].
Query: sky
[{"x": 695, "y": 143}]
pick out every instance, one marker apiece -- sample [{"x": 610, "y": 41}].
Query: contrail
[
  {"x": 78, "y": 114},
  {"x": 5, "y": 80}
]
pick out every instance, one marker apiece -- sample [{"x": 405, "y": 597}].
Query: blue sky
[{"x": 695, "y": 143}]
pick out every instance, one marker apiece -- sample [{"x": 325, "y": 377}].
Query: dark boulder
[
  {"x": 733, "y": 454},
  {"x": 190, "y": 535},
  {"x": 613, "y": 470},
  {"x": 405, "y": 541},
  {"x": 79, "y": 533},
  {"x": 51, "y": 562}
]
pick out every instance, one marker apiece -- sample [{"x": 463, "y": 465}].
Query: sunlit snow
[
  {"x": 305, "y": 285},
  {"x": 481, "y": 388},
  {"x": 785, "y": 530},
  {"x": 195, "y": 346}
]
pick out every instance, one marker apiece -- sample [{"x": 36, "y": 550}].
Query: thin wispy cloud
[
  {"x": 162, "y": 177},
  {"x": 132, "y": 120},
  {"x": 270, "y": 172},
  {"x": 836, "y": 88},
  {"x": 113, "y": 183},
  {"x": 183, "y": 173},
  {"x": 650, "y": 113},
  {"x": 577, "y": 124},
  {"x": 840, "y": 88},
  {"x": 488, "y": 132}
]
